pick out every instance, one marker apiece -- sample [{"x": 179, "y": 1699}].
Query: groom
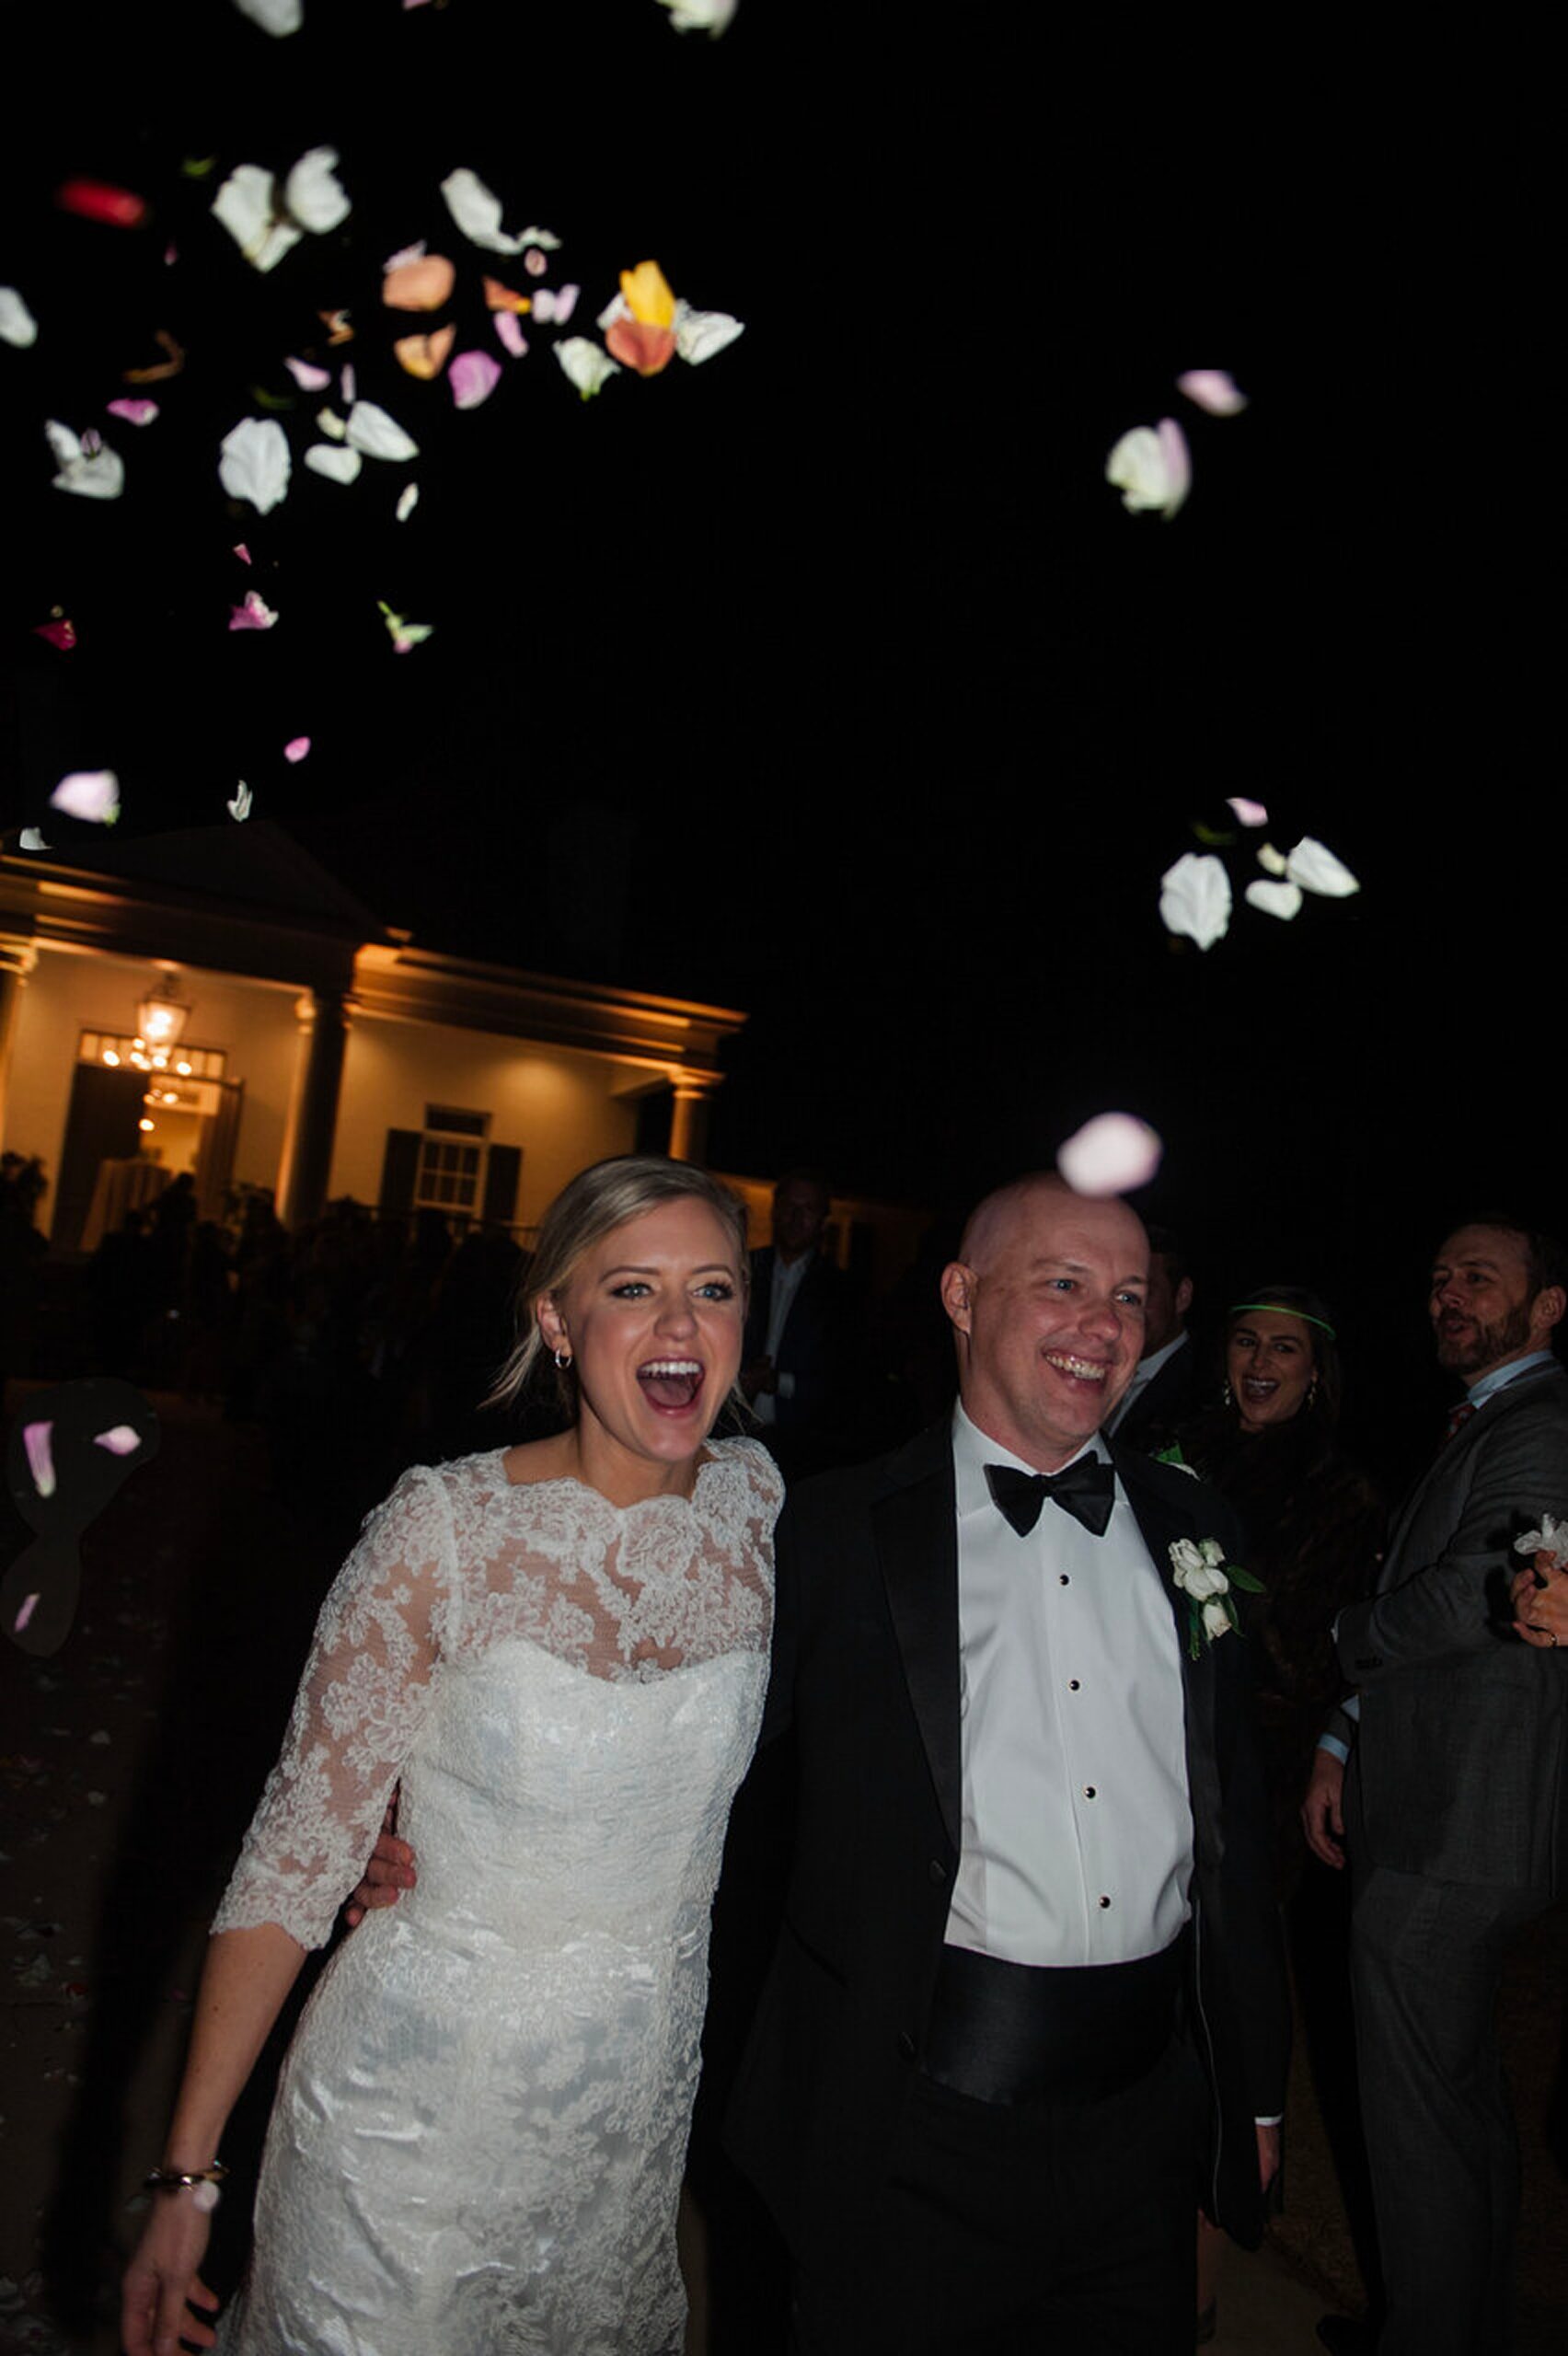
[{"x": 1027, "y": 2005}]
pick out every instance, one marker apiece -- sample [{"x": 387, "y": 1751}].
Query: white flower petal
[
  {"x": 1283, "y": 900},
  {"x": 700, "y": 334},
  {"x": 407, "y": 500},
  {"x": 1151, "y": 468},
  {"x": 32, "y": 839},
  {"x": 313, "y": 193},
  {"x": 1195, "y": 898},
  {"x": 274, "y": 16},
  {"x": 618, "y": 307},
  {"x": 586, "y": 364},
  {"x": 121, "y": 1439},
  {"x": 1212, "y": 389},
  {"x": 93, "y": 795},
  {"x": 1217, "y": 1620},
  {"x": 378, "y": 435},
  {"x": 331, "y": 459},
  {"x": 477, "y": 211},
  {"x": 240, "y": 806},
  {"x": 1247, "y": 814},
  {"x": 1271, "y": 860},
  {"x": 17, "y": 325},
  {"x": 254, "y": 464},
  {"x": 91, "y": 469},
  {"x": 1110, "y": 1154},
  {"x": 1316, "y": 869},
  {"x": 699, "y": 16},
  {"x": 327, "y": 421},
  {"x": 246, "y": 204}
]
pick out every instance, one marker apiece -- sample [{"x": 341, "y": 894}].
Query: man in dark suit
[
  {"x": 796, "y": 1359},
  {"x": 1027, "y": 2008},
  {"x": 1164, "y": 1391},
  {"x": 1455, "y": 1806}
]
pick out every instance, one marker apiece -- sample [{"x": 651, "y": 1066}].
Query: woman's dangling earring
[
  {"x": 563, "y": 1359},
  {"x": 1226, "y": 1393},
  {"x": 1312, "y": 1393}
]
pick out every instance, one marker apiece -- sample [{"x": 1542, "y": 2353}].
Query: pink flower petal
[
  {"x": 510, "y": 331},
  {"x": 1248, "y": 814},
  {"x": 36, "y": 1439},
  {"x": 1212, "y": 389},
  {"x": 30, "y": 1604},
  {"x": 1178, "y": 464},
  {"x": 92, "y": 795},
  {"x": 255, "y": 614},
  {"x": 61, "y": 634},
  {"x": 308, "y": 376},
  {"x": 135, "y": 412},
  {"x": 556, "y": 303},
  {"x": 242, "y": 551},
  {"x": 473, "y": 377},
  {"x": 348, "y": 383},
  {"x": 1110, "y": 1154},
  {"x": 535, "y": 264},
  {"x": 296, "y": 748},
  {"x": 122, "y": 1439}
]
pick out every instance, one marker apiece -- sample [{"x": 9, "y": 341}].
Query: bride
[{"x": 560, "y": 1649}]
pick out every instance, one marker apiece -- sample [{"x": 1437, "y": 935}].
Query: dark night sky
[{"x": 830, "y": 681}]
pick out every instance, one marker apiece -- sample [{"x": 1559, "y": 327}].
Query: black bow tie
[{"x": 1087, "y": 1490}]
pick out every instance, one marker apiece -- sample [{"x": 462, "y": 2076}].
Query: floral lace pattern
[{"x": 480, "y": 2129}]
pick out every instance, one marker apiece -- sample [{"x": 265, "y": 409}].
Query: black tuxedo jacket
[
  {"x": 1152, "y": 1420},
  {"x": 865, "y": 1674},
  {"x": 813, "y": 1345}
]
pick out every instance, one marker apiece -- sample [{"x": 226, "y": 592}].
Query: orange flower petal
[
  {"x": 636, "y": 345},
  {"x": 424, "y": 355},
  {"x": 501, "y": 299},
  {"x": 421, "y": 285},
  {"x": 649, "y": 296}
]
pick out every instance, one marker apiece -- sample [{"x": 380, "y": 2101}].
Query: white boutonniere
[
  {"x": 1551, "y": 1539},
  {"x": 1206, "y": 1578}
]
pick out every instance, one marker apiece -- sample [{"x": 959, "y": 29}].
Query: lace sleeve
[{"x": 383, "y": 1631}]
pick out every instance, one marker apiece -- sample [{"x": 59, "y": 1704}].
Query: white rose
[
  {"x": 1184, "y": 1559},
  {"x": 1217, "y": 1620}
]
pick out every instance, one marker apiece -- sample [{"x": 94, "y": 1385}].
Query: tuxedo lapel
[
  {"x": 1160, "y": 1521},
  {"x": 916, "y": 1537}
]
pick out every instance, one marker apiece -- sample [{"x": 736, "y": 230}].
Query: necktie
[
  {"x": 1457, "y": 1418},
  {"x": 1087, "y": 1490}
]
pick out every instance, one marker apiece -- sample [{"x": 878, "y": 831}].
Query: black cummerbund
[{"x": 1029, "y": 2033}]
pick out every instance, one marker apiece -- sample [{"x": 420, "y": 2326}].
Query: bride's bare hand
[{"x": 155, "y": 2317}]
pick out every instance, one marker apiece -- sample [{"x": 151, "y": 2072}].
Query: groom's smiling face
[{"x": 1048, "y": 1306}]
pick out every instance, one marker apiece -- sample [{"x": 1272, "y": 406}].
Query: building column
[
  {"x": 18, "y": 958},
  {"x": 688, "y": 1120},
  {"x": 306, "y": 1162}
]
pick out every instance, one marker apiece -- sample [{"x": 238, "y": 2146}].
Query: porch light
[{"x": 160, "y": 1019}]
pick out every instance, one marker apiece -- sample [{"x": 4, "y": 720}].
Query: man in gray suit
[{"x": 1454, "y": 1803}]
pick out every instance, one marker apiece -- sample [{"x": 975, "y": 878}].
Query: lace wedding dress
[{"x": 479, "y": 2130}]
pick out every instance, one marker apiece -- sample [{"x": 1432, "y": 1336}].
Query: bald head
[{"x": 1047, "y": 1303}]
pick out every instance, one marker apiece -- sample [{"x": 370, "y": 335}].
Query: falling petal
[
  {"x": 649, "y": 296},
  {"x": 30, "y": 1605},
  {"x": 477, "y": 211},
  {"x": 708, "y": 16},
  {"x": 1151, "y": 467},
  {"x": 256, "y": 463},
  {"x": 247, "y": 206},
  {"x": 473, "y": 377},
  {"x": 242, "y": 551},
  {"x": 337, "y": 326},
  {"x": 61, "y": 633},
  {"x": 1195, "y": 898},
  {"x": 296, "y": 748},
  {"x": 502, "y": 298},
  {"x": 161, "y": 370},
  {"x": 122, "y": 1439},
  {"x": 240, "y": 806},
  {"x": 511, "y": 333},
  {"x": 407, "y": 500},
  {"x": 255, "y": 614},
  {"x": 1247, "y": 814},
  {"x": 1110, "y": 1154},
  {"x": 88, "y": 466},
  {"x": 422, "y": 284},
  {"x": 36, "y": 1439},
  {"x": 1212, "y": 837},
  {"x": 331, "y": 459},
  {"x": 1316, "y": 869},
  {"x": 17, "y": 325},
  {"x": 584, "y": 363},
  {"x": 96, "y": 201},
  {"x": 424, "y": 355},
  {"x": 416, "y": 252},
  {"x": 535, "y": 264},
  {"x": 700, "y": 334},
  {"x": 403, "y": 634},
  {"x": 275, "y": 17},
  {"x": 556, "y": 304},
  {"x": 314, "y": 196},
  {"x": 327, "y": 421},
  {"x": 646, "y": 348},
  {"x": 1272, "y": 861},
  {"x": 378, "y": 435},
  {"x": 308, "y": 376},
  {"x": 135, "y": 412},
  {"x": 1274, "y": 899},
  {"x": 1212, "y": 389},
  {"x": 92, "y": 795},
  {"x": 31, "y": 839}
]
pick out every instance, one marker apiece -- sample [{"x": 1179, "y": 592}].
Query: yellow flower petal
[
  {"x": 648, "y": 294},
  {"x": 424, "y": 355}
]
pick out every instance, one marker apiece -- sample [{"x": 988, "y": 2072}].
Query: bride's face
[{"x": 653, "y": 1317}]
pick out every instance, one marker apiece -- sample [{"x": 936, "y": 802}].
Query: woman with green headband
[{"x": 1314, "y": 1524}]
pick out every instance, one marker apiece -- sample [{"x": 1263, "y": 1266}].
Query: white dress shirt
[
  {"x": 1155, "y": 1363},
  {"x": 1077, "y": 1827}
]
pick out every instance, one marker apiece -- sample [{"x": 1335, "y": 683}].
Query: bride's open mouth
[{"x": 671, "y": 1385}]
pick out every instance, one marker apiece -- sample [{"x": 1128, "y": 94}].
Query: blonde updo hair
[{"x": 592, "y": 1206}]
